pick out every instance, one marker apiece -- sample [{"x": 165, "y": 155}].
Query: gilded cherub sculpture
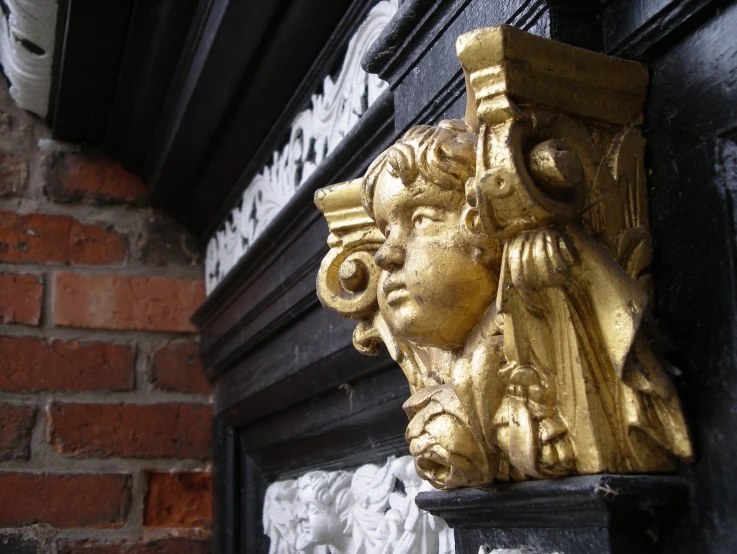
[{"x": 503, "y": 260}]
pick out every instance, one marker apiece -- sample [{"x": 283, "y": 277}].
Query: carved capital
[{"x": 510, "y": 273}]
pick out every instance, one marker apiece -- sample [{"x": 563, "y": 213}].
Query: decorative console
[{"x": 504, "y": 260}]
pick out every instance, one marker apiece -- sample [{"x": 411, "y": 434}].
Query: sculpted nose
[{"x": 389, "y": 257}]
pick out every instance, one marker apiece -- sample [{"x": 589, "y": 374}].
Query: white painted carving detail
[
  {"x": 27, "y": 31},
  {"x": 369, "y": 511},
  {"x": 314, "y": 134}
]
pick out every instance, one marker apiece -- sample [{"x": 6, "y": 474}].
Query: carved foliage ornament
[{"x": 503, "y": 260}]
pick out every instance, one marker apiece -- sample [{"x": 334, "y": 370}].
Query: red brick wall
[{"x": 104, "y": 411}]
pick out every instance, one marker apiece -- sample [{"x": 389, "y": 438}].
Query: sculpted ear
[{"x": 483, "y": 247}]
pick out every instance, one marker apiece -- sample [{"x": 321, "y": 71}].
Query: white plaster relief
[
  {"x": 314, "y": 134},
  {"x": 369, "y": 511},
  {"x": 27, "y": 31}
]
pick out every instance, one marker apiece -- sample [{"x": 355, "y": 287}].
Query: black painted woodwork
[
  {"x": 292, "y": 395},
  {"x": 157, "y": 33},
  {"x": 608, "y": 514},
  {"x": 90, "y": 43}
]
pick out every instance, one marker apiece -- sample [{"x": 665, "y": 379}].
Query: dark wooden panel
[
  {"x": 90, "y": 52},
  {"x": 634, "y": 28},
  {"x": 577, "y": 22},
  {"x": 157, "y": 33},
  {"x": 691, "y": 128},
  {"x": 306, "y": 358},
  {"x": 360, "y": 422},
  {"x": 305, "y": 50},
  {"x": 225, "y": 41}
]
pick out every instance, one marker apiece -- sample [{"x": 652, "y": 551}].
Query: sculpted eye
[{"x": 422, "y": 217}]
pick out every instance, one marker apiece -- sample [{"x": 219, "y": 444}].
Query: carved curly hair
[{"x": 444, "y": 155}]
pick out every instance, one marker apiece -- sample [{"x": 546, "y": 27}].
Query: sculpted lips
[{"x": 395, "y": 292}]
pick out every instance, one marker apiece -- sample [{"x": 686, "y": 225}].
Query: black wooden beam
[
  {"x": 226, "y": 37},
  {"x": 88, "y": 57},
  {"x": 310, "y": 39},
  {"x": 158, "y": 31}
]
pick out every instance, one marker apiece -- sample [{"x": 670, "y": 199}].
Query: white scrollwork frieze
[
  {"x": 369, "y": 511},
  {"x": 314, "y": 134}
]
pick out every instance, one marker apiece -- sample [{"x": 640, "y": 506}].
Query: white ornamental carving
[
  {"x": 314, "y": 134},
  {"x": 27, "y": 32},
  {"x": 369, "y": 511}
]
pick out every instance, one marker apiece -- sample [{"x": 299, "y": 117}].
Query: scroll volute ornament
[{"x": 504, "y": 261}]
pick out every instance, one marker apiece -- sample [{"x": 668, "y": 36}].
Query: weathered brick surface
[
  {"x": 30, "y": 364},
  {"x": 165, "y": 242},
  {"x": 178, "y": 500},
  {"x": 56, "y": 239},
  {"x": 90, "y": 178},
  {"x": 64, "y": 500},
  {"x": 164, "y": 546},
  {"x": 13, "y": 175},
  {"x": 20, "y": 299},
  {"x": 16, "y": 424},
  {"x": 15, "y": 543},
  {"x": 125, "y": 302},
  {"x": 98, "y": 287},
  {"x": 177, "y": 367},
  {"x": 130, "y": 430}
]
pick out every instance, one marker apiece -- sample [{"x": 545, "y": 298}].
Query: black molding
[
  {"x": 584, "y": 501},
  {"x": 635, "y": 28},
  {"x": 252, "y": 493},
  {"x": 356, "y": 423},
  {"x": 226, "y": 488},
  {"x": 607, "y": 514}
]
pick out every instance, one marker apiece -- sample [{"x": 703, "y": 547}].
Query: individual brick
[
  {"x": 13, "y": 175},
  {"x": 30, "y": 364},
  {"x": 64, "y": 500},
  {"x": 56, "y": 239},
  {"x": 130, "y": 430},
  {"x": 90, "y": 178},
  {"x": 163, "y": 546},
  {"x": 16, "y": 427},
  {"x": 20, "y": 299},
  {"x": 178, "y": 500},
  {"x": 126, "y": 302},
  {"x": 176, "y": 367}
]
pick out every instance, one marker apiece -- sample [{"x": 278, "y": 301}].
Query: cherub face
[
  {"x": 317, "y": 522},
  {"x": 431, "y": 290}
]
